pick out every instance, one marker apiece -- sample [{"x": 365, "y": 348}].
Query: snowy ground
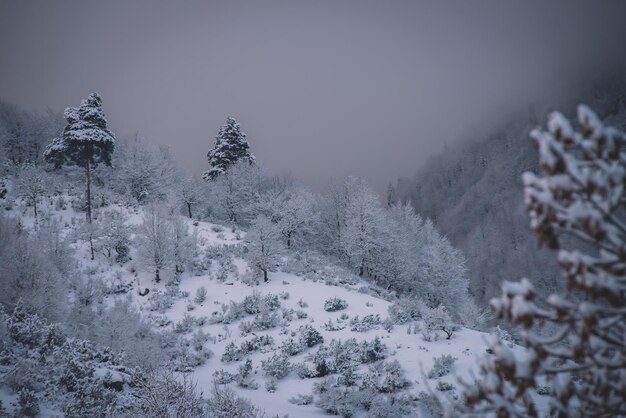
[{"x": 413, "y": 353}]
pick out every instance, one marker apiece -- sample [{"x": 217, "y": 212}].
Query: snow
[{"x": 415, "y": 355}]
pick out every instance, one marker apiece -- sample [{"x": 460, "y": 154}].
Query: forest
[{"x": 111, "y": 252}]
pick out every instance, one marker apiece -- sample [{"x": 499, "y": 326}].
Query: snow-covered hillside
[{"x": 230, "y": 319}]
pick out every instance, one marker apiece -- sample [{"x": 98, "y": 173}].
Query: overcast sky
[{"x": 323, "y": 89}]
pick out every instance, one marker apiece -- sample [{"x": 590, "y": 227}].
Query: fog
[{"x": 323, "y": 89}]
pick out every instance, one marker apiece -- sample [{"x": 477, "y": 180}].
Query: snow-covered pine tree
[
  {"x": 231, "y": 146},
  {"x": 581, "y": 195},
  {"x": 86, "y": 141}
]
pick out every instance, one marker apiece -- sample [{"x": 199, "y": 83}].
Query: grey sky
[{"x": 323, "y": 88}]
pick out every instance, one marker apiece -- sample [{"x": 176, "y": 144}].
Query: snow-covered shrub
[
  {"x": 223, "y": 377},
  {"x": 159, "y": 302},
  {"x": 431, "y": 404},
  {"x": 25, "y": 328},
  {"x": 385, "y": 377},
  {"x": 276, "y": 366},
  {"x": 114, "y": 236},
  {"x": 231, "y": 353},
  {"x": 256, "y": 303},
  {"x": 284, "y": 295},
  {"x": 442, "y": 366},
  {"x": 332, "y": 326},
  {"x": 303, "y": 371},
  {"x": 504, "y": 335},
  {"x": 367, "y": 323},
  {"x": 270, "y": 384},
  {"x": 187, "y": 359},
  {"x": 405, "y": 309},
  {"x": 444, "y": 386},
  {"x": 162, "y": 393},
  {"x": 335, "y": 304},
  {"x": 224, "y": 268},
  {"x": 339, "y": 355},
  {"x": 309, "y": 336},
  {"x": 291, "y": 347},
  {"x": 335, "y": 400},
  {"x": 388, "y": 324},
  {"x": 302, "y": 304},
  {"x": 261, "y": 322},
  {"x": 28, "y": 404},
  {"x": 438, "y": 319},
  {"x": 185, "y": 325},
  {"x": 261, "y": 343},
  {"x": 348, "y": 376},
  {"x": 301, "y": 399},
  {"x": 243, "y": 378},
  {"x": 391, "y": 407},
  {"x": 301, "y": 314},
  {"x": 372, "y": 351},
  {"x": 201, "y": 293}
]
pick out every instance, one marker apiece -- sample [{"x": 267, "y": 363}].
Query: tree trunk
[
  {"x": 157, "y": 278},
  {"x": 35, "y": 207},
  {"x": 91, "y": 243},
  {"x": 189, "y": 209},
  {"x": 265, "y": 276},
  {"x": 88, "y": 197},
  {"x": 289, "y": 241}
]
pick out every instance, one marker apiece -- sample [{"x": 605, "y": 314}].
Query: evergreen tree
[
  {"x": 86, "y": 141},
  {"x": 231, "y": 146}
]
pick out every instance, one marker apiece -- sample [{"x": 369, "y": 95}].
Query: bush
[
  {"x": 160, "y": 302},
  {"x": 243, "y": 378},
  {"x": 224, "y": 403},
  {"x": 222, "y": 377},
  {"x": 444, "y": 386},
  {"x": 291, "y": 347},
  {"x": 200, "y": 295},
  {"x": 185, "y": 325},
  {"x": 385, "y": 377},
  {"x": 277, "y": 366},
  {"x": 442, "y": 366},
  {"x": 438, "y": 319},
  {"x": 28, "y": 404},
  {"x": 335, "y": 304},
  {"x": 372, "y": 351},
  {"x": 259, "y": 343},
  {"x": 367, "y": 323},
  {"x": 309, "y": 336},
  {"x": 261, "y": 322},
  {"x": 335, "y": 400},
  {"x": 405, "y": 310},
  {"x": 301, "y": 399},
  {"x": 331, "y": 326}
]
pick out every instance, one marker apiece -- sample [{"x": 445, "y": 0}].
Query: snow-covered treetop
[
  {"x": 85, "y": 137},
  {"x": 230, "y": 147}
]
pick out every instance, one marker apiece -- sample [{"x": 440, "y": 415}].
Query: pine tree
[
  {"x": 86, "y": 141},
  {"x": 231, "y": 146}
]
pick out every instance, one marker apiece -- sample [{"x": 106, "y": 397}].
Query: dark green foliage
[
  {"x": 231, "y": 146},
  {"x": 86, "y": 138}
]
